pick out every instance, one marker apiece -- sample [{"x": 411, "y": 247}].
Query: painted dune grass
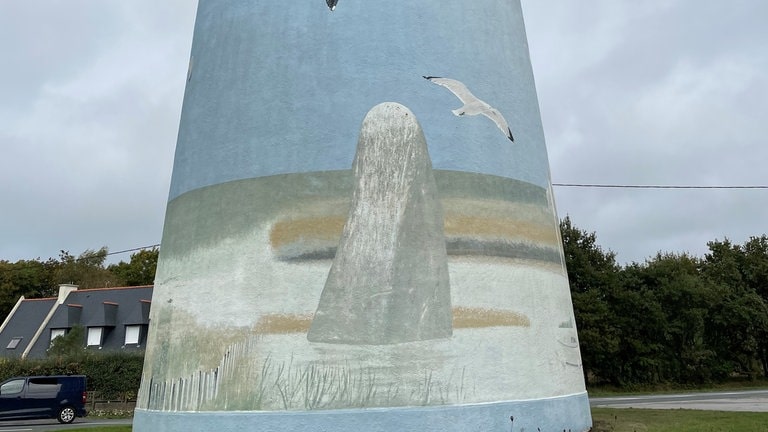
[
  {"x": 298, "y": 384},
  {"x": 279, "y": 372}
]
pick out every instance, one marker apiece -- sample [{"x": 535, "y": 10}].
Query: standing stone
[{"x": 389, "y": 279}]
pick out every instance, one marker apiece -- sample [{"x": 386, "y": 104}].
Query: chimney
[{"x": 64, "y": 290}]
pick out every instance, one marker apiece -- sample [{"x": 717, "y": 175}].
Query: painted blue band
[{"x": 560, "y": 413}]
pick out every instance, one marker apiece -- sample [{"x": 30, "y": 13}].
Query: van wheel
[{"x": 66, "y": 415}]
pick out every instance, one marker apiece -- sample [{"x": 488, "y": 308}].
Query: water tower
[{"x": 360, "y": 233}]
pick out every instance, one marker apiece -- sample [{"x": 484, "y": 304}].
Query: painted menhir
[
  {"x": 349, "y": 247},
  {"x": 389, "y": 279}
]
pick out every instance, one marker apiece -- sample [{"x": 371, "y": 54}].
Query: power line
[
  {"x": 133, "y": 250},
  {"x": 627, "y": 186}
]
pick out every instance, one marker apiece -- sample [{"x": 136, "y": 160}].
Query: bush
[
  {"x": 112, "y": 375},
  {"x": 69, "y": 346}
]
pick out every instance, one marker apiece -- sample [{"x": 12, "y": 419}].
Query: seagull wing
[
  {"x": 501, "y": 122},
  {"x": 456, "y": 87},
  {"x": 472, "y": 104}
]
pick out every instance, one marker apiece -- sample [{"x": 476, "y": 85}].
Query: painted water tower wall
[{"x": 360, "y": 233}]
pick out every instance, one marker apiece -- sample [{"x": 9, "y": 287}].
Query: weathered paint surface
[
  {"x": 281, "y": 87},
  {"x": 389, "y": 279},
  {"x": 263, "y": 187}
]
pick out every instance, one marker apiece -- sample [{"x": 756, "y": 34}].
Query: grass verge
[{"x": 641, "y": 420}]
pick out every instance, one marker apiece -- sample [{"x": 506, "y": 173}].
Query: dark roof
[
  {"x": 24, "y": 323},
  {"x": 110, "y": 308}
]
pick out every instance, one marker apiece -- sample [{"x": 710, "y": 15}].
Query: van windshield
[{"x": 12, "y": 387}]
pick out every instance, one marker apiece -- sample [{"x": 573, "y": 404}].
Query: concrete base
[{"x": 553, "y": 414}]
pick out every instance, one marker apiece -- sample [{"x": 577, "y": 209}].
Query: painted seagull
[
  {"x": 331, "y": 3},
  {"x": 472, "y": 105}
]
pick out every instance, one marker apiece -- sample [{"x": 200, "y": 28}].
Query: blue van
[{"x": 62, "y": 397}]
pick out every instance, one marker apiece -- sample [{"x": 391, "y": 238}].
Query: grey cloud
[
  {"x": 676, "y": 95},
  {"x": 89, "y": 123}
]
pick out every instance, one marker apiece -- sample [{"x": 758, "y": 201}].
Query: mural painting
[{"x": 339, "y": 238}]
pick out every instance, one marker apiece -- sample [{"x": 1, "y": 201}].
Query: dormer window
[
  {"x": 132, "y": 334},
  {"x": 56, "y": 333},
  {"x": 95, "y": 336}
]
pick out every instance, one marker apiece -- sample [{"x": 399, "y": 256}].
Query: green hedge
[{"x": 112, "y": 375}]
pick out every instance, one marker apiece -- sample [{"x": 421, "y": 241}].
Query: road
[
  {"x": 750, "y": 400},
  {"x": 53, "y": 425}
]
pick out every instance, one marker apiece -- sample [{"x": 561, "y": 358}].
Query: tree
[
  {"x": 640, "y": 322},
  {"x": 684, "y": 298},
  {"x": 30, "y": 279},
  {"x": 739, "y": 330},
  {"x": 69, "y": 346},
  {"x": 85, "y": 271},
  {"x": 756, "y": 276},
  {"x": 755, "y": 264},
  {"x": 139, "y": 271},
  {"x": 589, "y": 267},
  {"x": 592, "y": 275}
]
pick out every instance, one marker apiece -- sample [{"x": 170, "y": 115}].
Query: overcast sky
[{"x": 662, "y": 92}]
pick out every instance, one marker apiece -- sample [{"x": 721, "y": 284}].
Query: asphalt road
[
  {"x": 750, "y": 400},
  {"x": 53, "y": 425}
]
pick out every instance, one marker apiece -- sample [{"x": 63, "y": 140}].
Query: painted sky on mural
[{"x": 638, "y": 93}]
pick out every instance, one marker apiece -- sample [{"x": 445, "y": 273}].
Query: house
[{"x": 113, "y": 319}]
